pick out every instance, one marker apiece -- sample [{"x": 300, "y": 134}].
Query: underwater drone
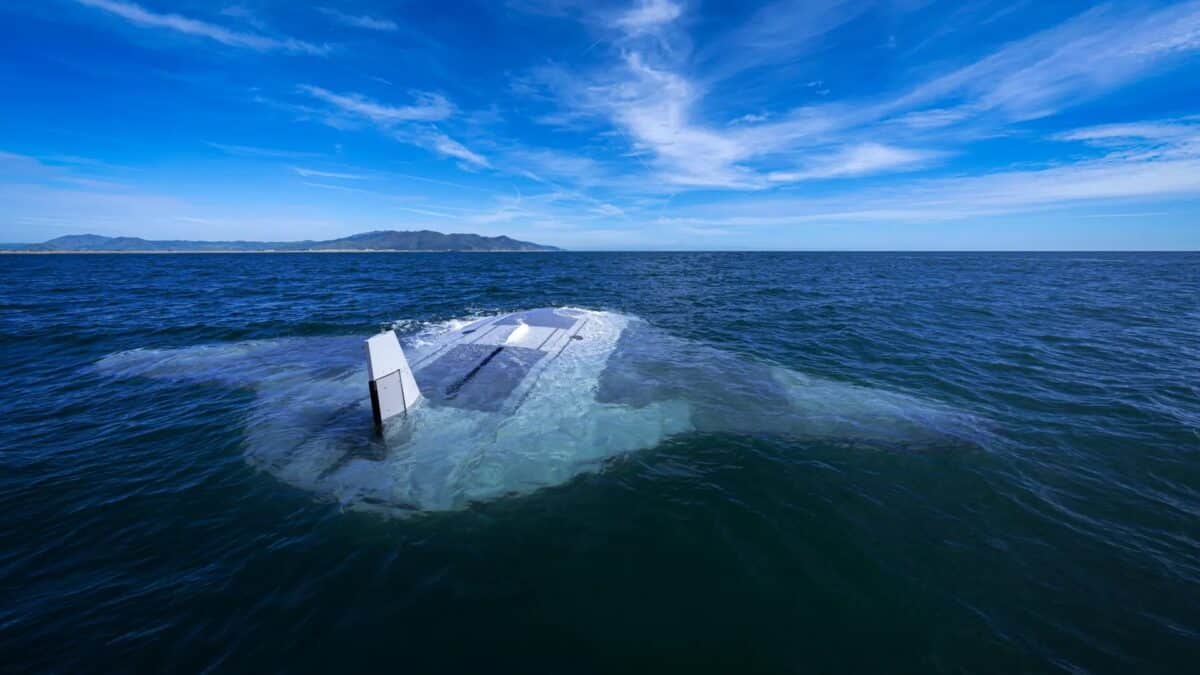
[
  {"x": 468, "y": 411},
  {"x": 485, "y": 366}
]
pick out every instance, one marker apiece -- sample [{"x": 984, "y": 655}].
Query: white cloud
[
  {"x": 339, "y": 188},
  {"x": 1093, "y": 52},
  {"x": 55, "y": 199},
  {"x": 359, "y": 21},
  {"x": 429, "y": 107},
  {"x": 655, "y": 96},
  {"x": 181, "y": 24},
  {"x": 313, "y": 173},
  {"x": 60, "y": 171},
  {"x": 1084, "y": 181},
  {"x": 444, "y": 145},
  {"x": 1151, "y": 170},
  {"x": 1138, "y": 131},
  {"x": 543, "y": 165},
  {"x": 933, "y": 118},
  {"x": 243, "y": 14},
  {"x": 429, "y": 212},
  {"x": 255, "y": 151},
  {"x": 665, "y": 112},
  {"x": 403, "y": 121},
  {"x": 1153, "y": 141},
  {"x": 606, "y": 209},
  {"x": 749, "y": 118},
  {"x": 408, "y": 124},
  {"x": 778, "y": 32},
  {"x": 648, "y": 15},
  {"x": 654, "y": 108},
  {"x": 857, "y": 160}
]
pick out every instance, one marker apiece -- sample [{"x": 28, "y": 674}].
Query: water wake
[{"x": 623, "y": 387}]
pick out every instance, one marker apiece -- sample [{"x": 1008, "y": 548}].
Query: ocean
[{"x": 990, "y": 463}]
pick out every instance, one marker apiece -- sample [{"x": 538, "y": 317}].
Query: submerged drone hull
[{"x": 489, "y": 365}]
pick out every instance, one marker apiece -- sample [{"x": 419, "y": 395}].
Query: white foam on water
[
  {"x": 428, "y": 333},
  {"x": 447, "y": 457},
  {"x": 310, "y": 425}
]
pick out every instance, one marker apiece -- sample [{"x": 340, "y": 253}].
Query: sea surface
[{"x": 1004, "y": 474}]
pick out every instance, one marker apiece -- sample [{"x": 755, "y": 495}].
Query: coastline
[{"x": 313, "y": 250}]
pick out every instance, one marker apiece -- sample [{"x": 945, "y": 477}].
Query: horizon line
[{"x": 4, "y": 251}]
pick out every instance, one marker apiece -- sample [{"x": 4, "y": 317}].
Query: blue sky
[{"x": 653, "y": 124}]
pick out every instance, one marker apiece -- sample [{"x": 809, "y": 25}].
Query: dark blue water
[{"x": 1063, "y": 536}]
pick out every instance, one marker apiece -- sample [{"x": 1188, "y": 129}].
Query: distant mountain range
[{"x": 383, "y": 240}]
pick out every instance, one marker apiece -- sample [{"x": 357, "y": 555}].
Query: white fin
[
  {"x": 518, "y": 334},
  {"x": 393, "y": 389}
]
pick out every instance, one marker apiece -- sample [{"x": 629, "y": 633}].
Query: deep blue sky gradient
[{"x": 893, "y": 124}]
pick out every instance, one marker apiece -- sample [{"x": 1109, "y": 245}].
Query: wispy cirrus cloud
[
  {"x": 649, "y": 97},
  {"x": 62, "y": 197},
  {"x": 141, "y": 16},
  {"x": 403, "y": 121},
  {"x": 1091, "y": 53},
  {"x": 1170, "y": 132},
  {"x": 61, "y": 171},
  {"x": 858, "y": 160},
  {"x": 714, "y": 117},
  {"x": 1156, "y": 160},
  {"x": 777, "y": 32},
  {"x": 648, "y": 15},
  {"x": 359, "y": 20},
  {"x": 256, "y": 151},
  {"x": 552, "y": 209},
  {"x": 654, "y": 108},
  {"x": 546, "y": 166},
  {"x": 314, "y": 173},
  {"x": 428, "y": 107},
  {"x": 655, "y": 95},
  {"x": 243, "y": 14},
  {"x": 444, "y": 145},
  {"x": 340, "y": 188}
]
